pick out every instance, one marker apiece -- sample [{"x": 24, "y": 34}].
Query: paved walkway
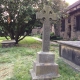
[{"x": 41, "y": 40}]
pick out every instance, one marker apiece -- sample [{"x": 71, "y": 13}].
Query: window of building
[
  {"x": 78, "y": 23},
  {"x": 69, "y": 19},
  {"x": 63, "y": 25}
]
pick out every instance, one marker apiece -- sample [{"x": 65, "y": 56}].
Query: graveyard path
[
  {"x": 51, "y": 42},
  {"x": 5, "y": 71},
  {"x": 37, "y": 38}
]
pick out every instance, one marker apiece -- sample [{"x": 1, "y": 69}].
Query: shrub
[{"x": 52, "y": 36}]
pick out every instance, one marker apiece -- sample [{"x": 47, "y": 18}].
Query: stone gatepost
[{"x": 44, "y": 68}]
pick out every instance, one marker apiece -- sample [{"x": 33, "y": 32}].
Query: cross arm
[{"x": 39, "y": 15}]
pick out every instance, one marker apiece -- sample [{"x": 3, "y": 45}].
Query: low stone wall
[{"x": 8, "y": 43}]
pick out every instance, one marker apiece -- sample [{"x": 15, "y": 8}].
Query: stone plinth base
[
  {"x": 44, "y": 67},
  {"x": 43, "y": 77}
]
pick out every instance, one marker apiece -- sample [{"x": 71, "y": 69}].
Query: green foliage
[
  {"x": 2, "y": 38},
  {"x": 54, "y": 37},
  {"x": 17, "y": 17},
  {"x": 51, "y": 34}
]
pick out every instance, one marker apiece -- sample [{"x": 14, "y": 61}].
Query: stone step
[
  {"x": 45, "y": 68},
  {"x": 45, "y": 57},
  {"x": 43, "y": 77}
]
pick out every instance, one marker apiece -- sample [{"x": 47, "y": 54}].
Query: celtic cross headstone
[
  {"x": 47, "y": 15},
  {"x": 44, "y": 68}
]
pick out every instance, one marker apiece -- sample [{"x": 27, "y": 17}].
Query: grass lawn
[{"x": 17, "y": 61}]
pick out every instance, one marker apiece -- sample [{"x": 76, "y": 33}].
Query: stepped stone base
[
  {"x": 44, "y": 67},
  {"x": 43, "y": 77}
]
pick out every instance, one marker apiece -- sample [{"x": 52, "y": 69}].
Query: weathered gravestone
[
  {"x": 44, "y": 68},
  {"x": 8, "y": 43},
  {"x": 70, "y": 51}
]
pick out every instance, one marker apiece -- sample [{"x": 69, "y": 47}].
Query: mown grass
[{"x": 23, "y": 55}]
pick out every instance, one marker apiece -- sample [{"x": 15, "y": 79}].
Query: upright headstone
[
  {"x": 44, "y": 68},
  {"x": 46, "y": 14}
]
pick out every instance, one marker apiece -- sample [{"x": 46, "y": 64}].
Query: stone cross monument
[
  {"x": 44, "y": 68},
  {"x": 46, "y": 14}
]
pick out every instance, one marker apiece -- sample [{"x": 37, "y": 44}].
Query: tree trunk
[
  {"x": 16, "y": 38},
  {"x": 16, "y": 41},
  {"x": 12, "y": 35}
]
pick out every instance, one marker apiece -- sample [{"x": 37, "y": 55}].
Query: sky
[{"x": 71, "y": 1}]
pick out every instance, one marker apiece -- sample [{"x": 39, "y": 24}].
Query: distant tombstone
[
  {"x": 8, "y": 43},
  {"x": 44, "y": 67}
]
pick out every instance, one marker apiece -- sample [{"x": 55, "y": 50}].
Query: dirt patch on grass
[{"x": 6, "y": 71}]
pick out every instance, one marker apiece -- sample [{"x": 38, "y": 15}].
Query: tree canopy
[{"x": 18, "y": 17}]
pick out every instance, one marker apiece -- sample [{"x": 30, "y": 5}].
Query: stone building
[
  {"x": 36, "y": 30},
  {"x": 70, "y": 25},
  {"x": 39, "y": 30}
]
